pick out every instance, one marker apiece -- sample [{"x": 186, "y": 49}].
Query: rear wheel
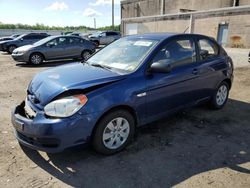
[
  {"x": 96, "y": 42},
  {"x": 36, "y": 58},
  {"x": 85, "y": 54},
  {"x": 220, "y": 96},
  {"x": 114, "y": 132},
  {"x": 11, "y": 48}
]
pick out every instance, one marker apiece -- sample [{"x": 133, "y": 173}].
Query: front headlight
[
  {"x": 65, "y": 107},
  {"x": 18, "y": 52}
]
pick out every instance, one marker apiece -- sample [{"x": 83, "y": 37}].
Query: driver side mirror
[
  {"x": 21, "y": 39},
  {"x": 162, "y": 66}
]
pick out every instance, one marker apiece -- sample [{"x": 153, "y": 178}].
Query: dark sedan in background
[
  {"x": 30, "y": 38},
  {"x": 53, "y": 48},
  {"x": 9, "y": 37}
]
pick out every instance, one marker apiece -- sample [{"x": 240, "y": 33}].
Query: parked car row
[
  {"x": 10, "y": 45},
  {"x": 35, "y": 48},
  {"x": 54, "y": 48}
]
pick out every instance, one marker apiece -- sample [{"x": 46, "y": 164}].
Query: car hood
[
  {"x": 5, "y": 41},
  {"x": 50, "y": 83},
  {"x": 24, "y": 48}
]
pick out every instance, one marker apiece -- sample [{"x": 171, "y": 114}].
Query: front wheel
[
  {"x": 114, "y": 132},
  {"x": 220, "y": 96},
  {"x": 36, "y": 59},
  {"x": 11, "y": 48}
]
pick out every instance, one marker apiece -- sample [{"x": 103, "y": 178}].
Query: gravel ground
[
  {"x": 239, "y": 56},
  {"x": 194, "y": 148}
]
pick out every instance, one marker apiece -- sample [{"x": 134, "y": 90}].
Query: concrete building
[{"x": 228, "y": 21}]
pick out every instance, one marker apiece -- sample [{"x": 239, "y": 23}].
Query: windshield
[
  {"x": 96, "y": 34},
  {"x": 21, "y": 36},
  {"x": 123, "y": 55},
  {"x": 43, "y": 41}
]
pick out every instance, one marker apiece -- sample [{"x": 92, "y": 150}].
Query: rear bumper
[{"x": 51, "y": 135}]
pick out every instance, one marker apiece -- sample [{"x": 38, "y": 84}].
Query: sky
[{"x": 59, "y": 12}]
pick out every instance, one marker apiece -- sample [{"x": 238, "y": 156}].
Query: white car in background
[{"x": 104, "y": 37}]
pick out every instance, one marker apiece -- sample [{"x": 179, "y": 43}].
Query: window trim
[
  {"x": 192, "y": 39},
  {"x": 199, "y": 60}
]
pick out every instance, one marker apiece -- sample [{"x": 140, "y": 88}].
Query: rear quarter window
[{"x": 208, "y": 49}]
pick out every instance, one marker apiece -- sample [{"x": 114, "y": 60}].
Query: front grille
[{"x": 45, "y": 142}]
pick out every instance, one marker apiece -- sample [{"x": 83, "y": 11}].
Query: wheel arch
[
  {"x": 228, "y": 81},
  {"x": 119, "y": 107},
  {"x": 37, "y": 52}
]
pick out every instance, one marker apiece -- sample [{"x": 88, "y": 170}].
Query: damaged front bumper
[{"x": 51, "y": 134}]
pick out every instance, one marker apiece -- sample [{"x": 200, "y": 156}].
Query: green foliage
[
  {"x": 45, "y": 27},
  {"x": 116, "y": 28},
  {"x": 42, "y": 27}
]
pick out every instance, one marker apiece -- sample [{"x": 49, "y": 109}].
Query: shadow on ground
[{"x": 164, "y": 153}]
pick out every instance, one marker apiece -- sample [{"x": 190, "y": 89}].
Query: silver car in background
[
  {"x": 54, "y": 48},
  {"x": 105, "y": 37}
]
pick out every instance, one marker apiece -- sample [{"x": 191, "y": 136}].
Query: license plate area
[
  {"x": 29, "y": 112},
  {"x": 19, "y": 125}
]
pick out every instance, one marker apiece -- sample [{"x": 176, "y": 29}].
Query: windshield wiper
[{"x": 100, "y": 65}]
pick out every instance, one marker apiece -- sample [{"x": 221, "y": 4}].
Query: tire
[
  {"x": 36, "y": 59},
  {"x": 11, "y": 48},
  {"x": 85, "y": 55},
  {"x": 96, "y": 42},
  {"x": 220, "y": 96},
  {"x": 109, "y": 137}
]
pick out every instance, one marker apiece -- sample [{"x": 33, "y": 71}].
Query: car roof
[
  {"x": 163, "y": 36},
  {"x": 66, "y": 36}
]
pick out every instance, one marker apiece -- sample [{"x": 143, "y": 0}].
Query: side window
[
  {"x": 28, "y": 37},
  {"x": 177, "y": 53},
  {"x": 62, "y": 41},
  {"x": 208, "y": 49},
  {"x": 41, "y": 36},
  {"x": 53, "y": 42},
  {"x": 36, "y": 36},
  {"x": 103, "y": 34},
  {"x": 74, "y": 40},
  {"x": 111, "y": 33}
]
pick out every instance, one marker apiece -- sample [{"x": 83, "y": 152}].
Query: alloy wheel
[
  {"x": 36, "y": 59},
  {"x": 86, "y": 55},
  {"x": 221, "y": 95},
  {"x": 116, "y": 133}
]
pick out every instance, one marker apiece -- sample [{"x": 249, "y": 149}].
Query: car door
[
  {"x": 74, "y": 47},
  {"x": 210, "y": 65},
  {"x": 110, "y": 37},
  {"x": 167, "y": 92},
  {"x": 56, "y": 48},
  {"x": 103, "y": 38}
]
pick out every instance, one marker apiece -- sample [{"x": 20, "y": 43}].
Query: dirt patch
[{"x": 194, "y": 148}]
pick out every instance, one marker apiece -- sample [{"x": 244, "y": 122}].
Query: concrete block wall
[
  {"x": 238, "y": 28},
  {"x": 174, "y": 6},
  {"x": 204, "y": 22},
  {"x": 140, "y": 8}
]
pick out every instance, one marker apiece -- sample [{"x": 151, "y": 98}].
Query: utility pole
[
  {"x": 94, "y": 23},
  {"x": 113, "y": 19}
]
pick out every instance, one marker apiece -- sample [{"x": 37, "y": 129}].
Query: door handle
[{"x": 195, "y": 71}]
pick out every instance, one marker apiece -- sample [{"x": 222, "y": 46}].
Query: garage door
[{"x": 131, "y": 29}]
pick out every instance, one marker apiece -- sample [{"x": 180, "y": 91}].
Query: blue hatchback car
[{"x": 131, "y": 82}]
